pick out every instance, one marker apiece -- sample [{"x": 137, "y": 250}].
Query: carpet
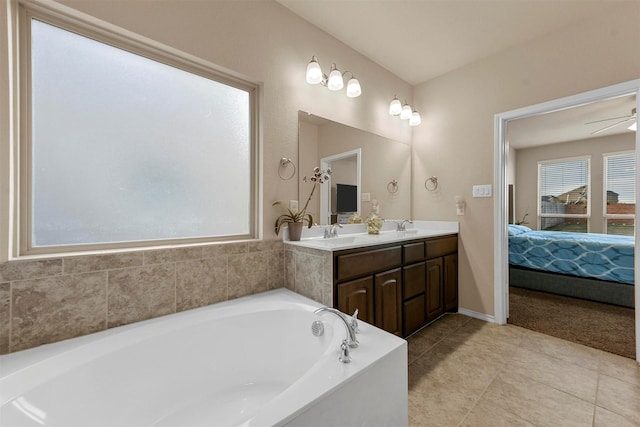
[{"x": 602, "y": 326}]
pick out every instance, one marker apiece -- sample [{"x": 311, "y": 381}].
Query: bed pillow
[{"x": 514, "y": 230}]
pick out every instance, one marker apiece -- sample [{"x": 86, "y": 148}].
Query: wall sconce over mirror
[
  {"x": 404, "y": 111},
  {"x": 334, "y": 81}
]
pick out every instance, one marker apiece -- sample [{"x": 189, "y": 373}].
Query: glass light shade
[
  {"x": 415, "y": 119},
  {"x": 335, "y": 79},
  {"x": 634, "y": 126},
  {"x": 314, "y": 73},
  {"x": 395, "y": 107},
  {"x": 353, "y": 88},
  {"x": 406, "y": 112}
]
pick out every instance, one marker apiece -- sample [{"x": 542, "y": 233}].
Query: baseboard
[{"x": 476, "y": 315}]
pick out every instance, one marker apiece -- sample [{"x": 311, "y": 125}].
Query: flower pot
[{"x": 295, "y": 230}]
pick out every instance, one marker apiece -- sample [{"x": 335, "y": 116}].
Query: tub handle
[
  {"x": 354, "y": 322},
  {"x": 345, "y": 357}
]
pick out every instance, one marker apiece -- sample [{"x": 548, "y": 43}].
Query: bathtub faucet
[{"x": 352, "y": 341}]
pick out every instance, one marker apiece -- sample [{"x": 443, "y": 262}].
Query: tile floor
[{"x": 467, "y": 372}]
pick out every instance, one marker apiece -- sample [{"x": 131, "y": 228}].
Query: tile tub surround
[{"x": 48, "y": 300}]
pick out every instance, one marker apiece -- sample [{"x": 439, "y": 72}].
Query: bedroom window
[
  {"x": 619, "y": 193},
  {"x": 564, "y": 194},
  {"x": 129, "y": 145}
]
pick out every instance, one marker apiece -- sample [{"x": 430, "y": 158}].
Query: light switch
[
  {"x": 293, "y": 205},
  {"x": 365, "y": 197},
  {"x": 482, "y": 190}
]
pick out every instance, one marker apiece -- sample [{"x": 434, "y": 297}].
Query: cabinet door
[
  {"x": 451, "y": 282},
  {"x": 414, "y": 280},
  {"x": 357, "y": 294},
  {"x": 413, "y": 315},
  {"x": 388, "y": 301},
  {"x": 435, "y": 280}
]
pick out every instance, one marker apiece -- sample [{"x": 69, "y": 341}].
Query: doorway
[{"x": 501, "y": 288}]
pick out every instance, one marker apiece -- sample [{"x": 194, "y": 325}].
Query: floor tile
[
  {"x": 488, "y": 414},
  {"x": 575, "y": 353},
  {"x": 620, "y": 397},
  {"x": 619, "y": 367},
  {"x": 605, "y": 418},
  {"x": 442, "y": 406}
]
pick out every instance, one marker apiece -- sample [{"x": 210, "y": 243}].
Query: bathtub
[{"x": 246, "y": 362}]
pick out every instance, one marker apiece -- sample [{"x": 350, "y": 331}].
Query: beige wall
[
  {"x": 456, "y": 141},
  {"x": 526, "y": 189}
]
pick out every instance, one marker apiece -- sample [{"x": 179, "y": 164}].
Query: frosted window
[{"x": 125, "y": 148}]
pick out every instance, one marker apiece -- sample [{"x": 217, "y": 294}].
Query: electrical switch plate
[
  {"x": 365, "y": 197},
  {"x": 293, "y": 205},
  {"x": 482, "y": 190}
]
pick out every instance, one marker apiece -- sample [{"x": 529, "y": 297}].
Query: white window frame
[
  {"x": 587, "y": 216},
  {"x": 106, "y": 33},
  {"x": 606, "y": 216}
]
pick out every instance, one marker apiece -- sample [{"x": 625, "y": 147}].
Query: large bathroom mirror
[{"x": 377, "y": 169}]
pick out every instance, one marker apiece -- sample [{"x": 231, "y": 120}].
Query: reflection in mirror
[{"x": 382, "y": 161}]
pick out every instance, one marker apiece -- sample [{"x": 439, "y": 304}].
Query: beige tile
[
  {"x": 557, "y": 373},
  {"x": 537, "y": 403},
  {"x": 248, "y": 274},
  {"x": 141, "y": 293},
  {"x": 308, "y": 276},
  {"x": 87, "y": 263},
  {"x": 265, "y": 245},
  {"x": 620, "y": 397},
  {"x": 5, "y": 317},
  {"x": 276, "y": 268},
  {"x": 485, "y": 413},
  {"x": 441, "y": 406},
  {"x": 222, "y": 249},
  {"x": 200, "y": 282},
  {"x": 560, "y": 349},
  {"x": 172, "y": 255},
  {"x": 619, "y": 367},
  {"x": 290, "y": 270},
  {"x": 24, "y": 270},
  {"x": 57, "y": 308},
  {"x": 423, "y": 340},
  {"x": 605, "y": 418}
]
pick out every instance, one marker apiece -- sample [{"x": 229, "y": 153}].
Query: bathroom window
[
  {"x": 128, "y": 145},
  {"x": 620, "y": 193},
  {"x": 564, "y": 195}
]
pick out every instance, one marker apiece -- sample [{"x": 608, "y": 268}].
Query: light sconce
[
  {"x": 334, "y": 81},
  {"x": 405, "y": 112}
]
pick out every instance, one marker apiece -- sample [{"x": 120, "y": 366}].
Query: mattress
[{"x": 600, "y": 256}]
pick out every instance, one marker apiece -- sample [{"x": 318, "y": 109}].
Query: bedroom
[{"x": 573, "y": 172}]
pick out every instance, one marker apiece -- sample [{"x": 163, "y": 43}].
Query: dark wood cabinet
[{"x": 398, "y": 287}]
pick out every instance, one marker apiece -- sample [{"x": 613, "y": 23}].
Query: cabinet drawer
[
  {"x": 440, "y": 247},
  {"x": 361, "y": 263},
  {"x": 414, "y": 280},
  {"x": 414, "y": 316},
  {"x": 413, "y": 252}
]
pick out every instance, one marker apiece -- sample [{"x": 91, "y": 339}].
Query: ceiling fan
[{"x": 622, "y": 119}]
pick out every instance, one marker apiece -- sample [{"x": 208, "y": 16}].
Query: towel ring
[
  {"x": 284, "y": 162},
  {"x": 392, "y": 187},
  {"x": 431, "y": 183}
]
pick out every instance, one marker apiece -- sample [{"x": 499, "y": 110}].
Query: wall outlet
[
  {"x": 293, "y": 205},
  {"x": 365, "y": 197},
  {"x": 482, "y": 190}
]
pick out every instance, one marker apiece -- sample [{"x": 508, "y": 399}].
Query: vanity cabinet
[{"x": 398, "y": 287}]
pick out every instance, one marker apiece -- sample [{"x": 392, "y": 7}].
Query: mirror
[{"x": 383, "y": 180}]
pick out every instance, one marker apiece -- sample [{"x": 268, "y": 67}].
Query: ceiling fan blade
[
  {"x": 612, "y": 126},
  {"x": 612, "y": 118}
]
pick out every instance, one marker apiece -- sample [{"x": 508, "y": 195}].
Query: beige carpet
[{"x": 602, "y": 326}]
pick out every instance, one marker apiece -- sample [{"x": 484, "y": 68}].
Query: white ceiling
[{"x": 418, "y": 40}]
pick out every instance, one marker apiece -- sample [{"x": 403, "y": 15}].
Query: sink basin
[{"x": 339, "y": 241}]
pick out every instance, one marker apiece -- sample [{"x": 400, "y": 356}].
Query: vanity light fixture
[
  {"x": 334, "y": 81},
  {"x": 405, "y": 112}
]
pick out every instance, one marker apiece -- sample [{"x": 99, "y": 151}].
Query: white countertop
[{"x": 355, "y": 235}]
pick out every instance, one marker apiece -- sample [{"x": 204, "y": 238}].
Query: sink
[{"x": 338, "y": 241}]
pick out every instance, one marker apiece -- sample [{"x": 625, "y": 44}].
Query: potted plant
[{"x": 296, "y": 220}]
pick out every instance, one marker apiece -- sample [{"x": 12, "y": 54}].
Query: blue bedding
[{"x": 600, "y": 256}]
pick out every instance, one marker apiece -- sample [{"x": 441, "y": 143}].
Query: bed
[{"x": 597, "y": 267}]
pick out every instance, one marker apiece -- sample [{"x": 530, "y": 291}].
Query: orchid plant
[{"x": 318, "y": 177}]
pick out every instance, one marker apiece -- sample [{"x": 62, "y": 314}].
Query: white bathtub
[{"x": 251, "y": 362}]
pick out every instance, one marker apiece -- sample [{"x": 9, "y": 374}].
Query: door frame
[{"x": 501, "y": 158}]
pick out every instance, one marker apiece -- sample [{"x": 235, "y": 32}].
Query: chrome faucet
[
  {"x": 351, "y": 341},
  {"x": 401, "y": 226},
  {"x": 332, "y": 231}
]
